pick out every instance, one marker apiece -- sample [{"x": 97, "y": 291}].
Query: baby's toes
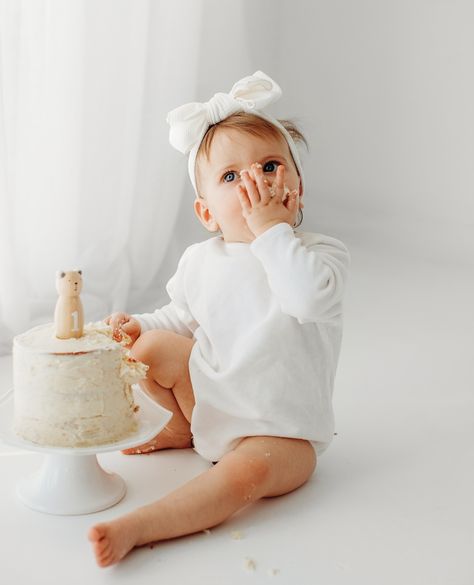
[
  {"x": 104, "y": 562},
  {"x": 106, "y": 559},
  {"x": 97, "y": 533},
  {"x": 145, "y": 448},
  {"x": 137, "y": 450},
  {"x": 101, "y": 544},
  {"x": 132, "y": 451},
  {"x": 103, "y": 551}
]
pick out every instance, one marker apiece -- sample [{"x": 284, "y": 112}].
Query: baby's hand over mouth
[{"x": 265, "y": 205}]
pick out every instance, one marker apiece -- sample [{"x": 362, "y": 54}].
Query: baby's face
[{"x": 231, "y": 151}]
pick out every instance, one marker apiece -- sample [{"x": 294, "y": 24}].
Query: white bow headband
[{"x": 190, "y": 122}]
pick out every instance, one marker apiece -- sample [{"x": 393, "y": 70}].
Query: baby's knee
[
  {"x": 268, "y": 466},
  {"x": 247, "y": 477},
  {"x": 166, "y": 353},
  {"x": 151, "y": 344}
]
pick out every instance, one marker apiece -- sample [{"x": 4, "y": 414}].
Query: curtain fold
[{"x": 87, "y": 177}]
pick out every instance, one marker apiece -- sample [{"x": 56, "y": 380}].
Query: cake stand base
[
  {"x": 70, "y": 485},
  {"x": 71, "y": 481}
]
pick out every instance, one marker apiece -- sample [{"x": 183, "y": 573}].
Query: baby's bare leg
[
  {"x": 168, "y": 382},
  {"x": 258, "y": 467}
]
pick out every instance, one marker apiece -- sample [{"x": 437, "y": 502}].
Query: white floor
[{"x": 391, "y": 501}]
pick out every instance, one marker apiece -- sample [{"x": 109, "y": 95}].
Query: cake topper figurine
[{"x": 69, "y": 314}]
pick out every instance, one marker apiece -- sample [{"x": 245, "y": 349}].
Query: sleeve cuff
[{"x": 267, "y": 237}]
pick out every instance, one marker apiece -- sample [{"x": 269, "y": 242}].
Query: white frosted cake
[{"x": 74, "y": 392}]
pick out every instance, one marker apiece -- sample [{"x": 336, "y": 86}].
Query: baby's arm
[
  {"x": 170, "y": 317},
  {"x": 307, "y": 274}
]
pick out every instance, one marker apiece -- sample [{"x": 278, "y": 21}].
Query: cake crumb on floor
[
  {"x": 236, "y": 535},
  {"x": 273, "y": 572},
  {"x": 250, "y": 564}
]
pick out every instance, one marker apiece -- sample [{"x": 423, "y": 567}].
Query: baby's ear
[{"x": 204, "y": 215}]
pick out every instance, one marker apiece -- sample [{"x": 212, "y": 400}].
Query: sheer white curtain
[{"x": 87, "y": 177}]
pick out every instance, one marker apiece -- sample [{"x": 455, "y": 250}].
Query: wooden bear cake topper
[{"x": 69, "y": 314}]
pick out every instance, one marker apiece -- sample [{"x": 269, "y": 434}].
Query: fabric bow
[{"x": 189, "y": 123}]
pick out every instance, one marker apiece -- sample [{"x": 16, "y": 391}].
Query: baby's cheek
[{"x": 237, "y": 212}]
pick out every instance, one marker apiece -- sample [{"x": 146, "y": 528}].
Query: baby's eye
[
  {"x": 270, "y": 166},
  {"x": 230, "y": 176}
]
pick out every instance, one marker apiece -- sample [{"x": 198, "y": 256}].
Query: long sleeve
[
  {"x": 306, "y": 273},
  {"x": 176, "y": 315},
  {"x": 169, "y": 317}
]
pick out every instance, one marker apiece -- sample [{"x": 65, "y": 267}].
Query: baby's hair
[{"x": 254, "y": 125}]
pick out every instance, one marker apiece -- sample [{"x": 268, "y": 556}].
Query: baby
[{"x": 245, "y": 353}]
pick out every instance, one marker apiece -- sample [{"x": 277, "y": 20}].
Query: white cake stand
[{"x": 71, "y": 480}]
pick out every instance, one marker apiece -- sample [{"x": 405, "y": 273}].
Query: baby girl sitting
[{"x": 246, "y": 352}]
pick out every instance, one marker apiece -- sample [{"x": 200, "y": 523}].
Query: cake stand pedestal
[
  {"x": 71, "y": 484},
  {"x": 71, "y": 480}
]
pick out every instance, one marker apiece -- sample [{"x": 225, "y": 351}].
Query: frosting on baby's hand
[{"x": 273, "y": 189}]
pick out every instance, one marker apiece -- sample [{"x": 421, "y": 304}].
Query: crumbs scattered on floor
[
  {"x": 273, "y": 572},
  {"x": 250, "y": 564},
  {"x": 236, "y": 535}
]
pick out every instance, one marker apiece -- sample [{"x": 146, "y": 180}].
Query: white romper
[{"x": 267, "y": 320}]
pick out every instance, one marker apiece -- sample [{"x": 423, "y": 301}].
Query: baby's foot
[
  {"x": 165, "y": 440},
  {"x": 111, "y": 541},
  {"x": 143, "y": 449},
  {"x": 154, "y": 445}
]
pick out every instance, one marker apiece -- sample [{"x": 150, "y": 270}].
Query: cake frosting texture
[{"x": 74, "y": 392}]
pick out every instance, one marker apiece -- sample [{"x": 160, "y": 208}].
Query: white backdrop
[
  {"x": 383, "y": 91},
  {"x": 86, "y": 175}
]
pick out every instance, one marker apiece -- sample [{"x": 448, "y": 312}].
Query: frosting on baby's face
[
  {"x": 218, "y": 207},
  {"x": 286, "y": 190}
]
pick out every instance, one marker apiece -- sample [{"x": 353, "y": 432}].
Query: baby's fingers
[
  {"x": 278, "y": 187},
  {"x": 280, "y": 178},
  {"x": 244, "y": 199},
  {"x": 112, "y": 321},
  {"x": 262, "y": 183},
  {"x": 250, "y": 187},
  {"x": 293, "y": 200},
  {"x": 116, "y": 321}
]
